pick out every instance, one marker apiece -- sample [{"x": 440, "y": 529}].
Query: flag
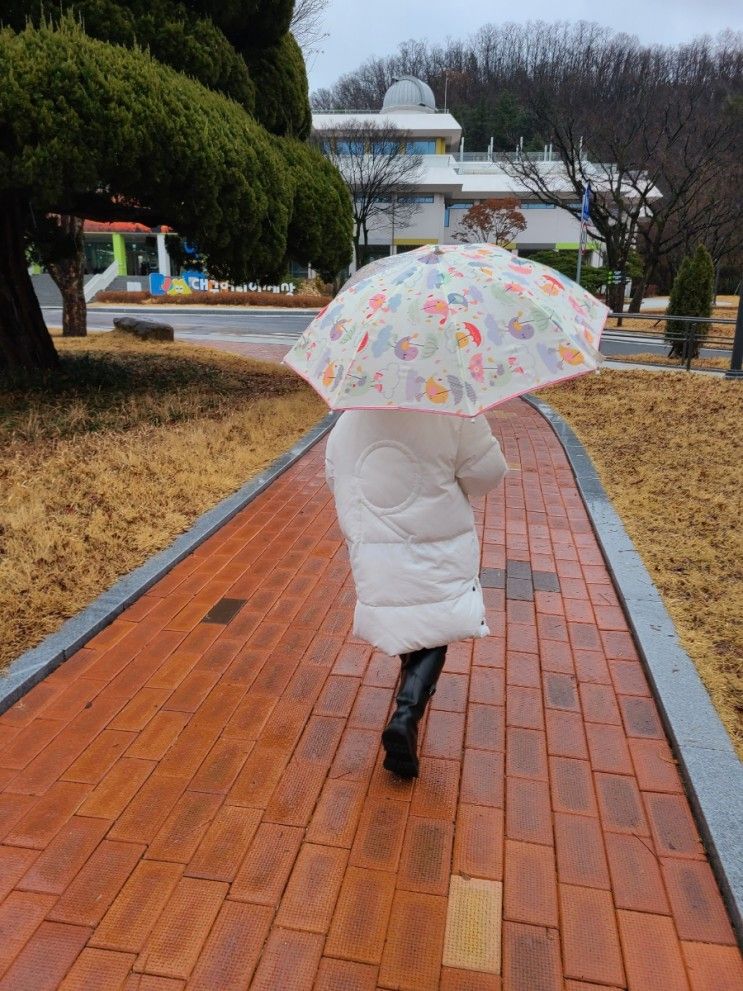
[{"x": 585, "y": 207}]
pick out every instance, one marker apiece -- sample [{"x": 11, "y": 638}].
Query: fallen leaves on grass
[
  {"x": 667, "y": 448},
  {"x": 106, "y": 463}
]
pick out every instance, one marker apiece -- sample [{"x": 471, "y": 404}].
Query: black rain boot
[{"x": 419, "y": 674}]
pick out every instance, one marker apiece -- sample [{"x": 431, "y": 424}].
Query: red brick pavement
[{"x": 201, "y": 804}]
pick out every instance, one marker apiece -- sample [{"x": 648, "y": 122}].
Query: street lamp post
[{"x": 735, "y": 371}]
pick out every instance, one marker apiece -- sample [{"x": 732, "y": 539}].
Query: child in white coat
[{"x": 401, "y": 482}]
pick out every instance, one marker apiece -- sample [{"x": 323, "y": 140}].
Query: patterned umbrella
[{"x": 454, "y": 329}]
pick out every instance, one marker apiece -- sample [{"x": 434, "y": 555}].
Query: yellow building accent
[
  {"x": 416, "y": 240},
  {"x": 440, "y": 146}
]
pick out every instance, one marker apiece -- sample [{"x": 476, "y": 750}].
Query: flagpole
[
  {"x": 585, "y": 215},
  {"x": 581, "y": 243}
]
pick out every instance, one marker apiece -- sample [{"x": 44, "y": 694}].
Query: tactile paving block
[
  {"x": 473, "y": 925},
  {"x": 412, "y": 953}
]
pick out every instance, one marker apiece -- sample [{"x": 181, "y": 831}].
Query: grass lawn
[
  {"x": 106, "y": 462},
  {"x": 667, "y": 448},
  {"x": 726, "y": 331},
  {"x": 649, "y": 358}
]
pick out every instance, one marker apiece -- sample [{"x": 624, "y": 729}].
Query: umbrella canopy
[{"x": 454, "y": 329}]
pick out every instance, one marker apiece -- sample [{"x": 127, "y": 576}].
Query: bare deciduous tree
[
  {"x": 307, "y": 25},
  {"x": 380, "y": 175},
  {"x": 495, "y": 221},
  {"x": 667, "y": 119}
]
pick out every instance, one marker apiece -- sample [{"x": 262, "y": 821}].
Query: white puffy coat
[{"x": 401, "y": 482}]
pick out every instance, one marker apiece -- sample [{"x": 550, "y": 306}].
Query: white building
[{"x": 452, "y": 180}]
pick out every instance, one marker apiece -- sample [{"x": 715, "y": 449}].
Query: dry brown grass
[
  {"x": 716, "y": 330},
  {"x": 106, "y": 463},
  {"x": 648, "y": 358},
  {"x": 667, "y": 448}
]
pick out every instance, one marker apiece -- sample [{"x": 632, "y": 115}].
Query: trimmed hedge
[
  {"x": 78, "y": 115},
  {"x": 300, "y": 300}
]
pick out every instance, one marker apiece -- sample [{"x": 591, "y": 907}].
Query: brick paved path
[{"x": 196, "y": 799}]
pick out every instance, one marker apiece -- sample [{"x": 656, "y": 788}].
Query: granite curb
[
  {"x": 710, "y": 766},
  {"x": 35, "y": 664}
]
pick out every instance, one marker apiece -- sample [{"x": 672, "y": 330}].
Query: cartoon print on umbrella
[
  {"x": 427, "y": 336},
  {"x": 521, "y": 331}
]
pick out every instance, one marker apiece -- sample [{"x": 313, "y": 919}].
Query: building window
[
  {"x": 385, "y": 148},
  {"x": 422, "y": 147},
  {"x": 534, "y": 205},
  {"x": 349, "y": 147},
  {"x": 415, "y": 199},
  {"x": 457, "y": 205}
]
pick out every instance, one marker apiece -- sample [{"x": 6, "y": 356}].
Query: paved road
[{"x": 265, "y": 327}]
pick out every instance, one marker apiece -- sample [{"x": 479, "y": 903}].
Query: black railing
[{"x": 687, "y": 341}]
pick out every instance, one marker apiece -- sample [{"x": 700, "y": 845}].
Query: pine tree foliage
[{"x": 692, "y": 295}]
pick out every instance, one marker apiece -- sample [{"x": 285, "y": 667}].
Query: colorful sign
[{"x": 190, "y": 282}]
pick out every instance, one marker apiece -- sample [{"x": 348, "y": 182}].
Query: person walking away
[{"x": 401, "y": 482}]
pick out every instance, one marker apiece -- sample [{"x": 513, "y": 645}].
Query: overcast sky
[{"x": 358, "y": 29}]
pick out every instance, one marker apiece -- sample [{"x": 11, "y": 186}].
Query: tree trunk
[
  {"x": 638, "y": 291},
  {"x": 615, "y": 297},
  {"x": 24, "y": 339},
  {"x": 69, "y": 274}
]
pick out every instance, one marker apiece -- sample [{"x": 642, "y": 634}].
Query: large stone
[{"x": 146, "y": 330}]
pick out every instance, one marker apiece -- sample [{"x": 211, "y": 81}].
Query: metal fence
[{"x": 687, "y": 343}]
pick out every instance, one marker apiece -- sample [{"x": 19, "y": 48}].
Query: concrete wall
[{"x": 545, "y": 228}]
